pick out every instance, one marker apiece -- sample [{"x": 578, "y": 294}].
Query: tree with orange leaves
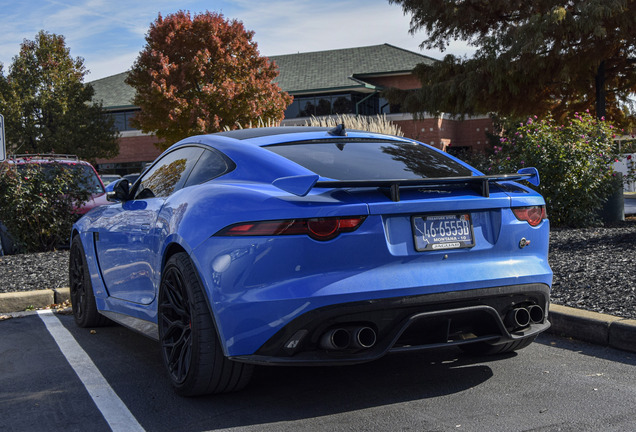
[{"x": 199, "y": 75}]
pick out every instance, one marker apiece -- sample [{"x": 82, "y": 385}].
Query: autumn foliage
[{"x": 200, "y": 75}]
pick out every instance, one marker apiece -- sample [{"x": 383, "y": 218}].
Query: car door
[{"x": 128, "y": 241}]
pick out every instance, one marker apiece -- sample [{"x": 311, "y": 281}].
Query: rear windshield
[{"x": 370, "y": 160}]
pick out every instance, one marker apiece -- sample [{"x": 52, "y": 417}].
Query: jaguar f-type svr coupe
[{"x": 312, "y": 246}]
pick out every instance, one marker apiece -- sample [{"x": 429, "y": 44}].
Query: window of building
[
  {"x": 122, "y": 119},
  {"x": 342, "y": 103},
  {"x": 320, "y": 105}
]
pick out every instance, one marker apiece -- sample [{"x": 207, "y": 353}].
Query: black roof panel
[{"x": 242, "y": 134}]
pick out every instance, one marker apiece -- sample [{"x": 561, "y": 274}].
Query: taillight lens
[
  {"x": 322, "y": 229},
  {"x": 533, "y": 215},
  {"x": 316, "y": 228}
]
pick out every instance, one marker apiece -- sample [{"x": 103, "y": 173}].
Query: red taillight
[
  {"x": 533, "y": 215},
  {"x": 316, "y": 228},
  {"x": 323, "y": 229}
]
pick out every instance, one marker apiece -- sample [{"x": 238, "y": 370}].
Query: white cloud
[
  {"x": 284, "y": 26},
  {"x": 101, "y": 67},
  {"x": 109, "y": 34}
]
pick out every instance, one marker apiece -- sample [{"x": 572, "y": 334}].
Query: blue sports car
[{"x": 312, "y": 246}]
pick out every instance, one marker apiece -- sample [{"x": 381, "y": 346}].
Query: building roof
[
  {"x": 322, "y": 71},
  {"x": 302, "y": 73},
  {"x": 113, "y": 92}
]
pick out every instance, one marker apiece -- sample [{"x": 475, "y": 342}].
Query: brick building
[{"x": 345, "y": 81}]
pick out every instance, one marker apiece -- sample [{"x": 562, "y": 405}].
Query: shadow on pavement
[{"x": 132, "y": 365}]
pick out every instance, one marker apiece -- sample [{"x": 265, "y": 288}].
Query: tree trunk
[{"x": 599, "y": 81}]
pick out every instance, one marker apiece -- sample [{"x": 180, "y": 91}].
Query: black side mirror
[{"x": 120, "y": 192}]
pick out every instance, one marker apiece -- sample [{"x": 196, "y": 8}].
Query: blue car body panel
[{"x": 257, "y": 285}]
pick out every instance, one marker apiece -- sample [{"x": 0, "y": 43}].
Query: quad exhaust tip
[
  {"x": 335, "y": 339},
  {"x": 364, "y": 337},
  {"x": 522, "y": 317},
  {"x": 341, "y": 338},
  {"x": 536, "y": 314}
]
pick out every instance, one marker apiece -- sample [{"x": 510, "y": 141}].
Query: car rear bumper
[{"x": 405, "y": 324}]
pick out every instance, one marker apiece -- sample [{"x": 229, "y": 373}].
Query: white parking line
[{"x": 115, "y": 412}]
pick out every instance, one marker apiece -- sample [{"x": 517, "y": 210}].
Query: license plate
[{"x": 441, "y": 232}]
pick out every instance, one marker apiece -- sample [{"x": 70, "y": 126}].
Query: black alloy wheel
[
  {"x": 82, "y": 298},
  {"x": 191, "y": 351},
  {"x": 176, "y": 325}
]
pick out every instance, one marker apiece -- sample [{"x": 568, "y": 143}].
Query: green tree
[
  {"x": 47, "y": 107},
  {"x": 199, "y": 75},
  {"x": 533, "y": 57}
]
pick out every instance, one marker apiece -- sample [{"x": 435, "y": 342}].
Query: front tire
[
  {"x": 82, "y": 296},
  {"x": 190, "y": 348}
]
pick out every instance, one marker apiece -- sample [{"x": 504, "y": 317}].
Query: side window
[
  {"x": 168, "y": 174},
  {"x": 211, "y": 165}
]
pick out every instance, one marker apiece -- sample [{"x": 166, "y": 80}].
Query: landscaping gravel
[
  {"x": 28, "y": 272},
  {"x": 594, "y": 269}
]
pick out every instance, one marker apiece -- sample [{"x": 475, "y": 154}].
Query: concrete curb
[
  {"x": 19, "y": 301},
  {"x": 596, "y": 328}
]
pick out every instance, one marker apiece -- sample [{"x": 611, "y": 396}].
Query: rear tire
[
  {"x": 82, "y": 296},
  {"x": 190, "y": 348},
  {"x": 483, "y": 348}
]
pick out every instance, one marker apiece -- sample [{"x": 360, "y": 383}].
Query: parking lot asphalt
[{"x": 592, "y": 327}]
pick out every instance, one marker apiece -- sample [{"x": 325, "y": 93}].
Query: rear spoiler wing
[{"x": 301, "y": 185}]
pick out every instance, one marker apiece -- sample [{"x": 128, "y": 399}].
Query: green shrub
[
  {"x": 37, "y": 204},
  {"x": 574, "y": 160}
]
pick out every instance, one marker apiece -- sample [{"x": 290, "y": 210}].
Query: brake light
[
  {"x": 322, "y": 229},
  {"x": 317, "y": 228},
  {"x": 533, "y": 215}
]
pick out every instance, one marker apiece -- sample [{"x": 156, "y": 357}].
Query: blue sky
[{"x": 109, "y": 34}]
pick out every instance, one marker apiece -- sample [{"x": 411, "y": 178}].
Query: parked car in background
[
  {"x": 311, "y": 246},
  {"x": 109, "y": 178},
  {"x": 131, "y": 178},
  {"x": 110, "y": 186},
  {"x": 88, "y": 177}
]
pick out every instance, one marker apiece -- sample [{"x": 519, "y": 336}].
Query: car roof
[
  {"x": 246, "y": 147},
  {"x": 292, "y": 134},
  {"x": 243, "y": 134},
  {"x": 45, "y": 158}
]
